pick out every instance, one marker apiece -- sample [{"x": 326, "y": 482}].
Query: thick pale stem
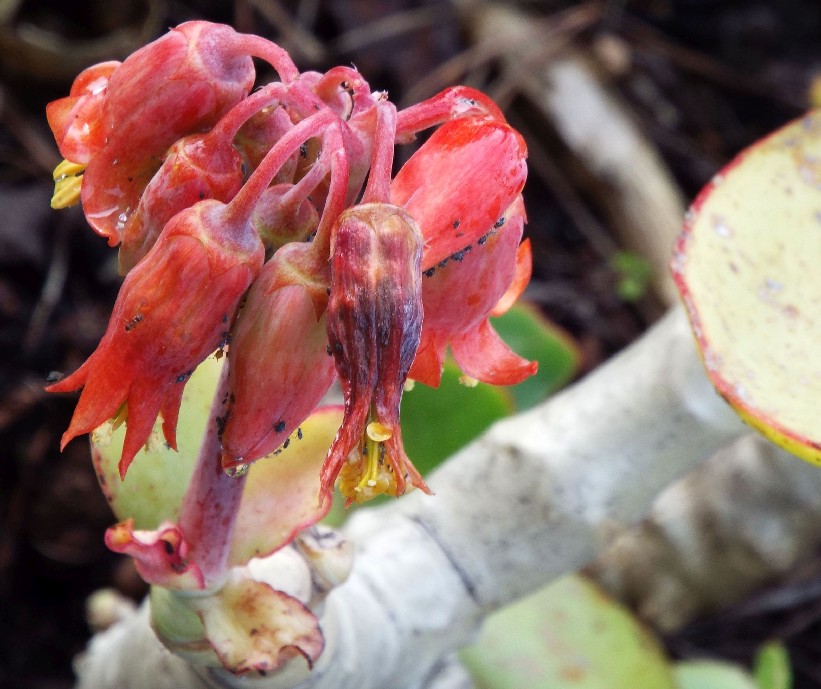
[
  {"x": 573, "y": 472},
  {"x": 538, "y": 495},
  {"x": 378, "y": 189},
  {"x": 212, "y": 499}
]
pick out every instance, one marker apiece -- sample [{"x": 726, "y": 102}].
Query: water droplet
[{"x": 237, "y": 471}]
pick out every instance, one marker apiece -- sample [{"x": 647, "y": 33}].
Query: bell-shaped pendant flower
[
  {"x": 180, "y": 84},
  {"x": 374, "y": 325},
  {"x": 472, "y": 227},
  {"x": 460, "y": 294},
  {"x": 174, "y": 308},
  {"x": 196, "y": 167},
  {"x": 279, "y": 367}
]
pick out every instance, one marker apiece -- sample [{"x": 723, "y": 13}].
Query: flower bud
[
  {"x": 279, "y": 368},
  {"x": 160, "y": 555},
  {"x": 374, "y": 325},
  {"x": 196, "y": 168},
  {"x": 256, "y": 137},
  {"x": 279, "y": 223}
]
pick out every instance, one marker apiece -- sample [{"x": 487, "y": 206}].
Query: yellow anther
[
  {"x": 68, "y": 180},
  {"x": 378, "y": 432},
  {"x": 468, "y": 382}
]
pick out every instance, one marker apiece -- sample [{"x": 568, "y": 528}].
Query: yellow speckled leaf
[{"x": 747, "y": 268}]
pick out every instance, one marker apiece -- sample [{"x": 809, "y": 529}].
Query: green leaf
[
  {"x": 633, "y": 274},
  {"x": 569, "y": 635},
  {"x": 711, "y": 674},
  {"x": 281, "y": 494},
  {"x": 772, "y": 666},
  {"x": 527, "y": 332},
  {"x": 436, "y": 422}
]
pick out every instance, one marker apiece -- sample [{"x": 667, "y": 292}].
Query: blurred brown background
[{"x": 697, "y": 80}]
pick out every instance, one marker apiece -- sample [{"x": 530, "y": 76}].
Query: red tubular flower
[
  {"x": 174, "y": 308},
  {"x": 459, "y": 183},
  {"x": 180, "y": 84},
  {"x": 374, "y": 325},
  {"x": 279, "y": 367},
  {"x": 472, "y": 227}
]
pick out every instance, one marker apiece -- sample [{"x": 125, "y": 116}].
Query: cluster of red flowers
[{"x": 267, "y": 224}]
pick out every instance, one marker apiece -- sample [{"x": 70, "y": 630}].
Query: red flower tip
[
  {"x": 77, "y": 119},
  {"x": 374, "y": 325}
]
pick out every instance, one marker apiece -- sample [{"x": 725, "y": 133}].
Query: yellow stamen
[
  {"x": 68, "y": 180},
  {"x": 367, "y": 474},
  {"x": 468, "y": 382}
]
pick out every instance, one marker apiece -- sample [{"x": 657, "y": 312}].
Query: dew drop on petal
[{"x": 237, "y": 471}]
